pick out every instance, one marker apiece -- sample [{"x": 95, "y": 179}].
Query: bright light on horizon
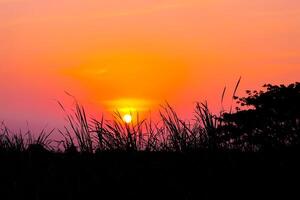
[{"x": 127, "y": 118}]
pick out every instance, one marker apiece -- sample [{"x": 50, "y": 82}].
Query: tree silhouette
[{"x": 267, "y": 119}]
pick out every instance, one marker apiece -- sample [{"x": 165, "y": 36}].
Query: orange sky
[{"x": 121, "y": 54}]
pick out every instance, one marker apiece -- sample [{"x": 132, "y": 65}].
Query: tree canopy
[{"x": 266, "y": 119}]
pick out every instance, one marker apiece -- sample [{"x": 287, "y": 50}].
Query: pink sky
[{"x": 134, "y": 53}]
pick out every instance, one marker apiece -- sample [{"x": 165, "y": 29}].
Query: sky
[{"x": 136, "y": 54}]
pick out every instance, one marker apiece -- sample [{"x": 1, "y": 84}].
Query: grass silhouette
[
  {"x": 273, "y": 116},
  {"x": 236, "y": 154}
]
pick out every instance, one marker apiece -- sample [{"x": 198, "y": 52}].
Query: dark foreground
[{"x": 150, "y": 175}]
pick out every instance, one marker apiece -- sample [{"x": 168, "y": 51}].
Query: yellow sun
[{"x": 127, "y": 118}]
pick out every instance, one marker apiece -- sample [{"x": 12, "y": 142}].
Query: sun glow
[{"x": 127, "y": 118}]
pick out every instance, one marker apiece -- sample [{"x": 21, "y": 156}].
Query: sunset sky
[{"x": 136, "y": 54}]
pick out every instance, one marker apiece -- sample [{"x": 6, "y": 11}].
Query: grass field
[{"x": 242, "y": 154}]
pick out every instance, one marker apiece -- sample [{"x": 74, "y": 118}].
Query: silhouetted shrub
[{"x": 268, "y": 119}]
